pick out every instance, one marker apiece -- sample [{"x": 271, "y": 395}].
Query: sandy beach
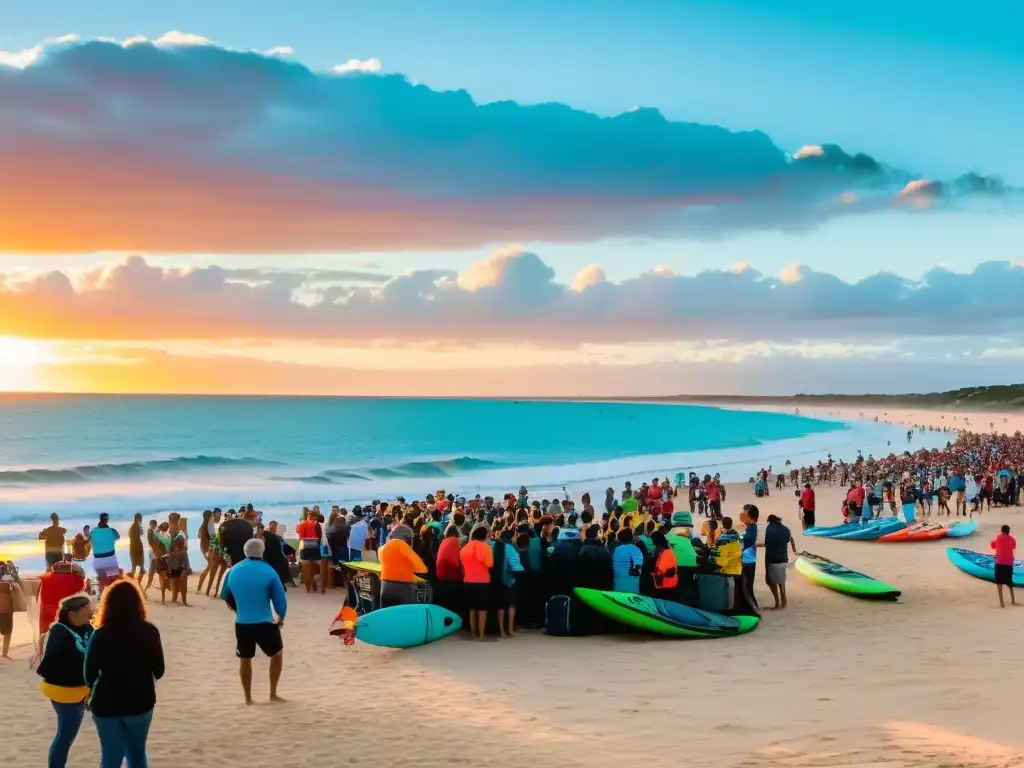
[
  {"x": 976, "y": 421},
  {"x": 830, "y": 681}
]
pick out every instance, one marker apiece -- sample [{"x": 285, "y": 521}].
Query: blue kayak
[
  {"x": 872, "y": 531},
  {"x": 982, "y": 566},
  {"x": 962, "y": 529},
  {"x": 828, "y": 531}
]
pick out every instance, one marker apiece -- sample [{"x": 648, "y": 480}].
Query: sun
[{"x": 18, "y": 361}]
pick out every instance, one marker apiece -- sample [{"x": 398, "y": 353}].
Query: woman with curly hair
[{"x": 122, "y": 664}]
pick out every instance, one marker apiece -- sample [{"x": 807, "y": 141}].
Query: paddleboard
[
  {"x": 664, "y": 617},
  {"x": 839, "y": 578},
  {"x": 982, "y": 566},
  {"x": 407, "y": 626},
  {"x": 872, "y": 531},
  {"x": 919, "y": 532},
  {"x": 962, "y": 528}
]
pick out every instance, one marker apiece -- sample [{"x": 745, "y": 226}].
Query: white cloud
[
  {"x": 590, "y": 275},
  {"x": 26, "y": 57},
  {"x": 809, "y": 150},
  {"x": 176, "y": 39},
  {"x": 357, "y": 65},
  {"x": 791, "y": 274}
]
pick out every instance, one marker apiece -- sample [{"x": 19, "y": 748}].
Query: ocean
[{"x": 81, "y": 455}]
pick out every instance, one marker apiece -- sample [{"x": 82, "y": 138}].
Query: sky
[{"x": 530, "y": 198}]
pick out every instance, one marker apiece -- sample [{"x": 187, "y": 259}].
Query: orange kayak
[{"x": 917, "y": 533}]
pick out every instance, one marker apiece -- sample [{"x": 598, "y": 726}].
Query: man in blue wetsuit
[{"x": 251, "y": 588}]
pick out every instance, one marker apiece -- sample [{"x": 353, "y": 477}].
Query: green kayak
[
  {"x": 664, "y": 617},
  {"x": 839, "y": 578}
]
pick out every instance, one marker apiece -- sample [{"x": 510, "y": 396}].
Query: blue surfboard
[
  {"x": 407, "y": 626},
  {"x": 872, "y": 531},
  {"x": 829, "y": 530},
  {"x": 982, "y": 566}
]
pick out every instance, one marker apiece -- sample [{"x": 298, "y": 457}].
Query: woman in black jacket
[
  {"x": 61, "y": 669},
  {"x": 123, "y": 662}
]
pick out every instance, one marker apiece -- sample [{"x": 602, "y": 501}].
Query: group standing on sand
[{"x": 500, "y": 564}]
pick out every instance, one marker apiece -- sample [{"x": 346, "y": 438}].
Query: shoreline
[
  {"x": 865, "y": 434},
  {"x": 735, "y": 464}
]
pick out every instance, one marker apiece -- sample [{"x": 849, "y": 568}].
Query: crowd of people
[
  {"x": 500, "y": 563},
  {"x": 975, "y": 472}
]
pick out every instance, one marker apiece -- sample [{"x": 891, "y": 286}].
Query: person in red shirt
[
  {"x": 448, "y": 584},
  {"x": 654, "y": 492},
  {"x": 714, "y": 498},
  {"x": 1004, "y": 545},
  {"x": 807, "y": 506},
  {"x": 63, "y": 580},
  {"x": 857, "y": 494}
]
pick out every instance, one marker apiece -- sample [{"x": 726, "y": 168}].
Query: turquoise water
[{"x": 84, "y": 454}]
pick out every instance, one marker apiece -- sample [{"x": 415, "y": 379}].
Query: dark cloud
[{"x": 195, "y": 148}]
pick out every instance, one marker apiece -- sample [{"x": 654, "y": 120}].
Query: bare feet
[
  {"x": 248, "y": 702},
  {"x": 275, "y": 699}
]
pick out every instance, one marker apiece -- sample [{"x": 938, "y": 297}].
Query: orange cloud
[{"x": 511, "y": 296}]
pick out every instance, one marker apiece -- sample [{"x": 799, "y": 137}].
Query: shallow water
[
  {"x": 82, "y": 455},
  {"x": 121, "y": 454}
]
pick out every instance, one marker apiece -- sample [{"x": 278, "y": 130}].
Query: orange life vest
[{"x": 666, "y": 572}]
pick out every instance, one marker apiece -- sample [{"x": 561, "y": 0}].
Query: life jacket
[{"x": 666, "y": 572}]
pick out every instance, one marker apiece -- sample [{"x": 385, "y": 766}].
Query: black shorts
[
  {"x": 266, "y": 635},
  {"x": 1004, "y": 574},
  {"x": 502, "y": 597},
  {"x": 6, "y": 623},
  {"x": 478, "y": 596},
  {"x": 175, "y": 573},
  {"x": 808, "y": 518},
  {"x": 310, "y": 554}
]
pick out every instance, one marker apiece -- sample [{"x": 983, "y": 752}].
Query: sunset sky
[{"x": 529, "y": 198}]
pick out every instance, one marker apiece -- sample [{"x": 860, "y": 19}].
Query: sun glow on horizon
[{"x": 18, "y": 361}]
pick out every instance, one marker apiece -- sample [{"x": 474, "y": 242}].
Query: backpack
[{"x": 558, "y": 617}]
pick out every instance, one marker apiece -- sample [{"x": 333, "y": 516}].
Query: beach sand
[
  {"x": 975, "y": 421},
  {"x": 928, "y": 681}
]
